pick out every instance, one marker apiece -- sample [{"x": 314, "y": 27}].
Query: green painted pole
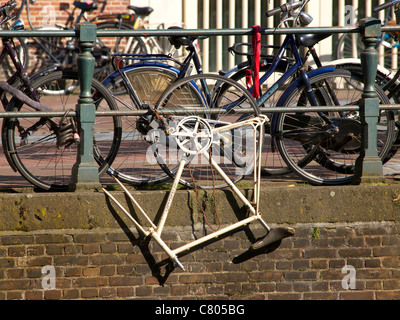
[
  {"x": 369, "y": 168},
  {"x": 85, "y": 172}
]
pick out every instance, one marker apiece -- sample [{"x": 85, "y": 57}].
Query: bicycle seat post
[{"x": 85, "y": 172}]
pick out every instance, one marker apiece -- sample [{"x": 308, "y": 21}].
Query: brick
[
  {"x": 90, "y": 238},
  {"x": 106, "y": 259},
  {"x": 320, "y": 296},
  {"x": 108, "y": 248},
  {"x": 319, "y": 253},
  {"x": 107, "y": 293},
  {"x": 391, "y": 262},
  {"x": 35, "y": 261},
  {"x": 15, "y": 284},
  {"x": 16, "y": 251},
  {"x": 73, "y": 249},
  {"x": 386, "y": 251},
  {"x": 263, "y": 276},
  {"x": 15, "y": 295},
  {"x": 107, "y": 271},
  {"x": 373, "y": 285},
  {"x": 91, "y": 272},
  {"x": 301, "y": 275},
  {"x": 89, "y": 282},
  {"x": 89, "y": 293},
  {"x": 355, "y": 252},
  {"x": 73, "y": 272},
  {"x": 372, "y": 263},
  {"x": 52, "y": 250},
  {"x": 7, "y": 263},
  {"x": 52, "y": 238},
  {"x": 391, "y": 284},
  {"x": 34, "y": 295},
  {"x": 161, "y": 291},
  {"x": 356, "y": 295},
  {"x": 71, "y": 294},
  {"x": 52, "y": 294},
  {"x": 301, "y": 264},
  {"x": 14, "y": 240},
  {"x": 126, "y": 292},
  {"x": 125, "y": 281},
  {"x": 179, "y": 290},
  {"x": 90, "y": 248},
  {"x": 15, "y": 273},
  {"x": 284, "y": 296},
  {"x": 71, "y": 260},
  {"x": 198, "y": 278},
  {"x": 388, "y": 295}
]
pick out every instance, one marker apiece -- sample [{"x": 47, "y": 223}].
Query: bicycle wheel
[
  {"x": 322, "y": 147},
  {"x": 133, "y": 163},
  {"x": 122, "y": 44},
  {"x": 233, "y": 150},
  {"x": 350, "y": 45},
  {"x": 50, "y": 51},
  {"x": 272, "y": 162},
  {"x": 133, "y": 45},
  {"x": 382, "y": 79},
  {"x": 34, "y": 144}
]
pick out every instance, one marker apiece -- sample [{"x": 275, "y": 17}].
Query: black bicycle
[
  {"x": 63, "y": 51},
  {"x": 43, "y": 149}
]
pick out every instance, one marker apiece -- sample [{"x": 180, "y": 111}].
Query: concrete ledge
[{"x": 280, "y": 205}]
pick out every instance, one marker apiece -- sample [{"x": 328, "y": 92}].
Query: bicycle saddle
[
  {"x": 310, "y": 40},
  {"x": 179, "y": 41},
  {"x": 86, "y": 6},
  {"x": 141, "y": 11}
]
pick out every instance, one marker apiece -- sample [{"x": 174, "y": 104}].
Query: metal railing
[{"x": 85, "y": 175}]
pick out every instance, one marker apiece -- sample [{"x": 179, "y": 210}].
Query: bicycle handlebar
[
  {"x": 385, "y": 5},
  {"x": 285, "y": 8},
  {"x": 8, "y": 8}
]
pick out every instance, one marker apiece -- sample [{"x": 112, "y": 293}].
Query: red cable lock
[{"x": 256, "y": 44}]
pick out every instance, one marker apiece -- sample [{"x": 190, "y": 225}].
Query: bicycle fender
[
  {"x": 45, "y": 71},
  {"x": 294, "y": 85},
  {"x": 138, "y": 65}
]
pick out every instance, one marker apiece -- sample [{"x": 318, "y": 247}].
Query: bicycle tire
[
  {"x": 233, "y": 150},
  {"x": 32, "y": 142},
  {"x": 134, "y": 164},
  {"x": 310, "y": 149},
  {"x": 132, "y": 45},
  {"x": 381, "y": 79},
  {"x": 345, "y": 49},
  {"x": 345, "y": 46}
]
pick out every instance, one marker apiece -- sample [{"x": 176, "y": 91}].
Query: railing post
[
  {"x": 85, "y": 172},
  {"x": 369, "y": 168}
]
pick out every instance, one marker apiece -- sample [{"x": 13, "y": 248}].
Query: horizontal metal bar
[
  {"x": 194, "y": 32},
  {"x": 186, "y": 111},
  {"x": 181, "y": 32}
]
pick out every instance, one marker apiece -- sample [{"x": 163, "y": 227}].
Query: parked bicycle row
[{"x": 320, "y": 147}]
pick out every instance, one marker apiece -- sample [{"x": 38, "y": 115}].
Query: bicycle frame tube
[{"x": 19, "y": 73}]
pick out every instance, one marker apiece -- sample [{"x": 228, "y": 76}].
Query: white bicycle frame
[{"x": 155, "y": 231}]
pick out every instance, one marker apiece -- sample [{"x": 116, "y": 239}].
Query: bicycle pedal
[{"x": 274, "y": 235}]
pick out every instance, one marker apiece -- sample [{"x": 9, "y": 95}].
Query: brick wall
[
  {"x": 44, "y": 12},
  {"x": 114, "y": 264}
]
